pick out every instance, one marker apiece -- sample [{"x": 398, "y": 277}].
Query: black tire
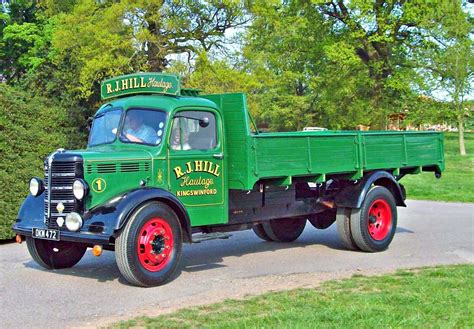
[
  {"x": 260, "y": 232},
  {"x": 285, "y": 229},
  {"x": 323, "y": 219},
  {"x": 55, "y": 254},
  {"x": 374, "y": 224},
  {"x": 343, "y": 223},
  {"x": 152, "y": 231}
]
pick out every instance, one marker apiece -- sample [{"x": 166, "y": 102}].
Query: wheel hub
[
  {"x": 155, "y": 244},
  {"x": 380, "y": 219},
  {"x": 158, "y": 244},
  {"x": 372, "y": 219}
]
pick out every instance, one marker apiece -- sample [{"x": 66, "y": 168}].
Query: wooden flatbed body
[{"x": 284, "y": 157}]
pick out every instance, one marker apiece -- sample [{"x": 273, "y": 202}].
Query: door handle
[{"x": 218, "y": 156}]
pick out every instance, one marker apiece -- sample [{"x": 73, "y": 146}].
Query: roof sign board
[{"x": 140, "y": 83}]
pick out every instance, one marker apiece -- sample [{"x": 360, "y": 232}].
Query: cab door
[{"x": 197, "y": 165}]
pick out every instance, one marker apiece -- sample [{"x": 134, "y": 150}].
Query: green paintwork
[
  {"x": 124, "y": 165},
  {"x": 276, "y": 158},
  {"x": 121, "y": 168},
  {"x": 140, "y": 83},
  {"x": 282, "y": 157}
]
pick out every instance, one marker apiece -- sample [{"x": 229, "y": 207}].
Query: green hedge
[{"x": 30, "y": 128}]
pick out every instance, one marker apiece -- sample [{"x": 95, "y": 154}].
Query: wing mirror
[
  {"x": 204, "y": 122},
  {"x": 89, "y": 123}
]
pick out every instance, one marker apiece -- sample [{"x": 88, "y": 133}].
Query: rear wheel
[
  {"x": 343, "y": 223},
  {"x": 373, "y": 225},
  {"x": 55, "y": 254},
  {"x": 285, "y": 229},
  {"x": 260, "y": 232},
  {"x": 323, "y": 219},
  {"x": 148, "y": 250}
]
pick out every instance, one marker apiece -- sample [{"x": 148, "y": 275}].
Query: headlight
[
  {"x": 79, "y": 188},
  {"x": 73, "y": 221},
  {"x": 36, "y": 186}
]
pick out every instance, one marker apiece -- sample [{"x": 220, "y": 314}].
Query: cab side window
[{"x": 193, "y": 130}]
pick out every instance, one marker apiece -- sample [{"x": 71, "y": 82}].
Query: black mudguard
[
  {"x": 102, "y": 222},
  {"x": 117, "y": 210},
  {"x": 31, "y": 214},
  {"x": 352, "y": 196}
]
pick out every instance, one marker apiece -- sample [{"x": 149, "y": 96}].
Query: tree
[
  {"x": 95, "y": 42},
  {"x": 30, "y": 127},
  {"x": 449, "y": 59},
  {"x": 102, "y": 39},
  {"x": 281, "y": 52},
  {"x": 345, "y": 63},
  {"x": 21, "y": 39},
  {"x": 383, "y": 34},
  {"x": 458, "y": 81},
  {"x": 312, "y": 71},
  {"x": 189, "y": 27}
]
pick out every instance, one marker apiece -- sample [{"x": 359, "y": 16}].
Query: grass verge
[
  {"x": 456, "y": 182},
  {"x": 428, "y": 297}
]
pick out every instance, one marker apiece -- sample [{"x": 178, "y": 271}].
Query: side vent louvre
[
  {"x": 108, "y": 168},
  {"x": 130, "y": 167},
  {"x": 103, "y": 168}
]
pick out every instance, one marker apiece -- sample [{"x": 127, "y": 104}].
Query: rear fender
[{"x": 352, "y": 196}]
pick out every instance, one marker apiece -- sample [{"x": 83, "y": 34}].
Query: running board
[{"x": 210, "y": 236}]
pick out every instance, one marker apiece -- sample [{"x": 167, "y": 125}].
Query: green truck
[{"x": 166, "y": 165}]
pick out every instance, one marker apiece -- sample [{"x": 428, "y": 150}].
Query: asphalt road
[{"x": 92, "y": 293}]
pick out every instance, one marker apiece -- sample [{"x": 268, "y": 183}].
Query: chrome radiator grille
[{"x": 59, "y": 190}]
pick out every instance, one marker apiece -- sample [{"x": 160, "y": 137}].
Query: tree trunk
[
  {"x": 462, "y": 146},
  {"x": 379, "y": 117},
  {"x": 156, "y": 57}
]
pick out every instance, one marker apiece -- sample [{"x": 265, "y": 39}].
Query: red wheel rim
[
  {"x": 155, "y": 244},
  {"x": 380, "y": 219}
]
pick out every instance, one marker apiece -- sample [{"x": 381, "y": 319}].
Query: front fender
[
  {"x": 352, "y": 196},
  {"x": 31, "y": 212},
  {"x": 116, "y": 212},
  {"x": 104, "y": 221}
]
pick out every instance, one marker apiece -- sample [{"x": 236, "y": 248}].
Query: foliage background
[
  {"x": 30, "y": 126},
  {"x": 332, "y": 64}
]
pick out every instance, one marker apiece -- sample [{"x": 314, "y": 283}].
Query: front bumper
[
  {"x": 95, "y": 230},
  {"x": 81, "y": 237}
]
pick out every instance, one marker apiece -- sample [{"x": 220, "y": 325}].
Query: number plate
[{"x": 46, "y": 234}]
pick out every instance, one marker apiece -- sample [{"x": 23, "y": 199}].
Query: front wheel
[
  {"x": 373, "y": 225},
  {"x": 148, "y": 250},
  {"x": 55, "y": 254}
]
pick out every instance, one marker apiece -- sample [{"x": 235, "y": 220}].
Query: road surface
[{"x": 92, "y": 293}]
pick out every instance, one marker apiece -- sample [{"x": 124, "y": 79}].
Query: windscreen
[
  {"x": 143, "y": 126},
  {"x": 104, "y": 128}
]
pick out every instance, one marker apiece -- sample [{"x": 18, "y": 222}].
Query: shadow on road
[
  {"x": 210, "y": 255},
  {"x": 403, "y": 230},
  {"x": 207, "y": 255},
  {"x": 102, "y": 269}
]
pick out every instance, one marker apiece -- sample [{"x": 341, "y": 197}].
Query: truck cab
[{"x": 157, "y": 141}]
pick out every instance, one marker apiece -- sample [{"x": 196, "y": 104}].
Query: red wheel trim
[
  {"x": 381, "y": 212},
  {"x": 155, "y": 244}
]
